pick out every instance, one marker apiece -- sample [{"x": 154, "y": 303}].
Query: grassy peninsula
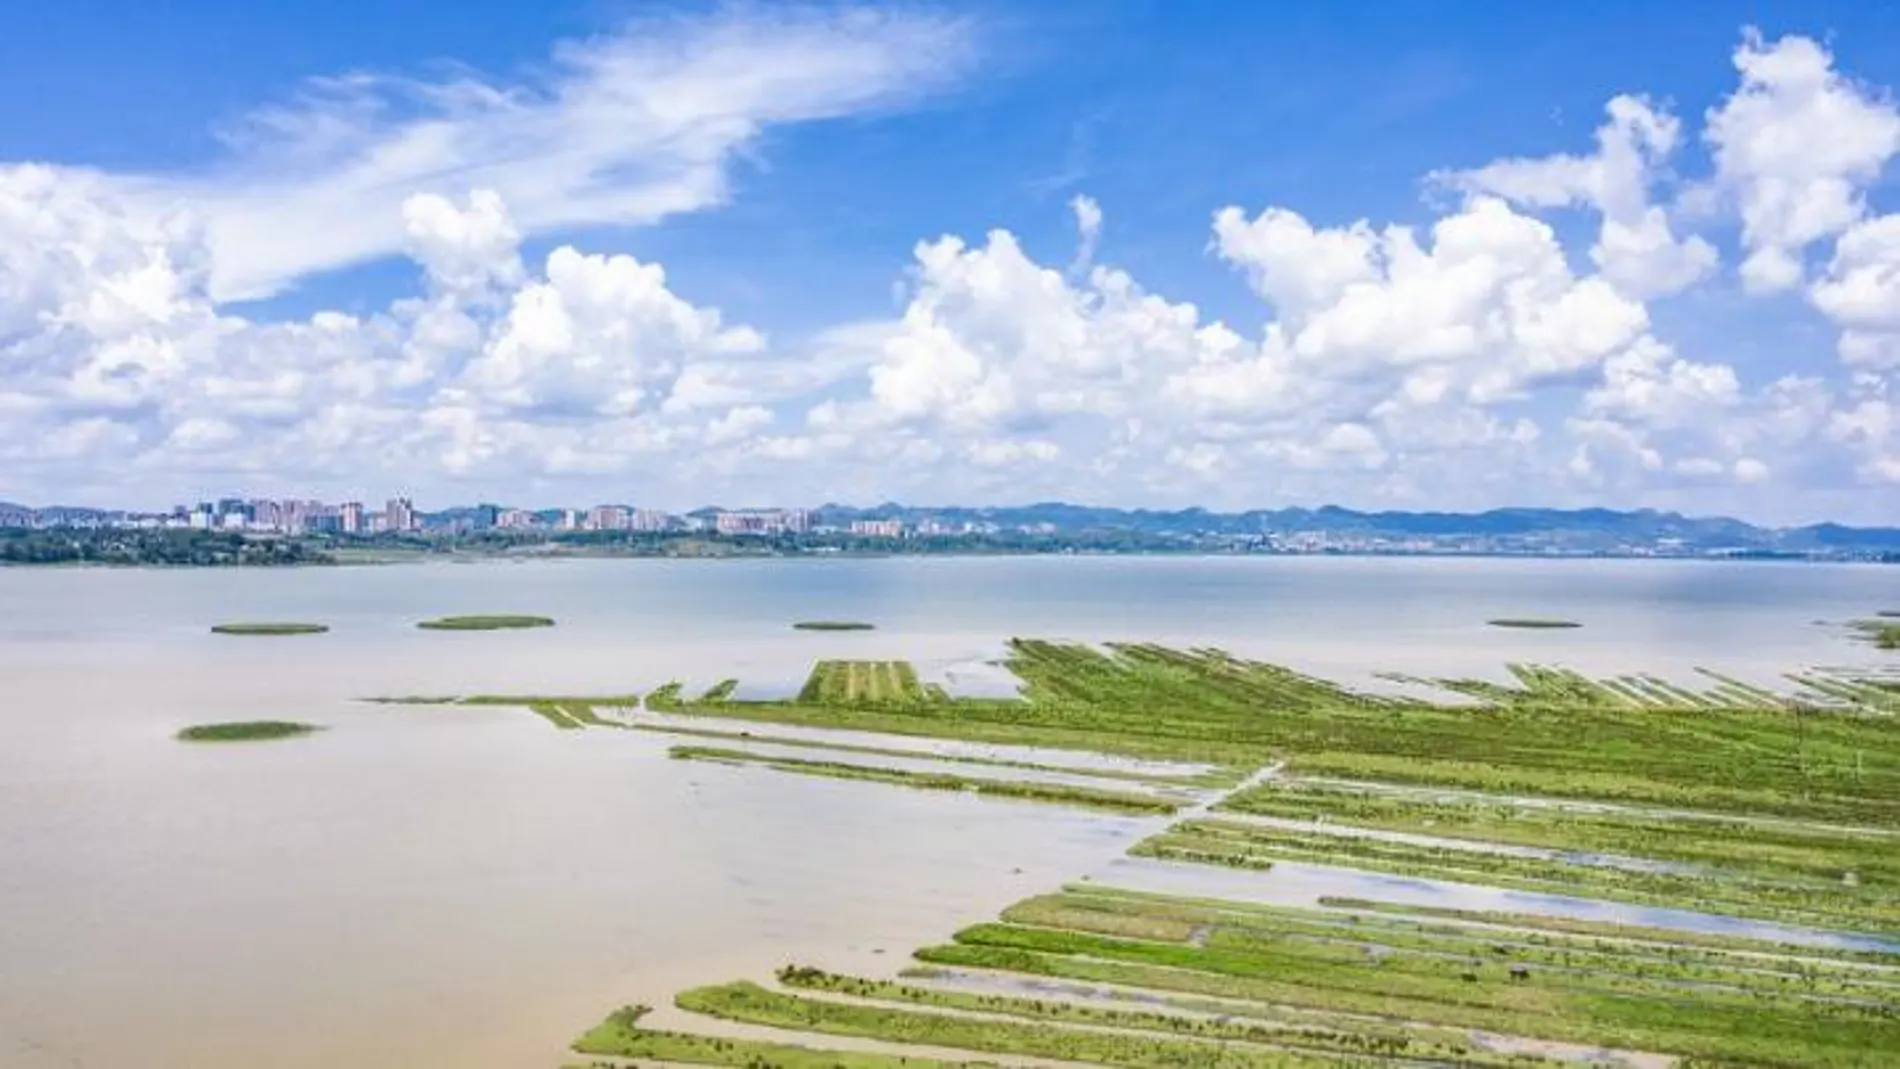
[
  {"x": 245, "y": 731},
  {"x": 269, "y": 629},
  {"x": 485, "y": 623}
]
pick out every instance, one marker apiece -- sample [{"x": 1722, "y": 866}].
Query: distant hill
[{"x": 1571, "y": 529}]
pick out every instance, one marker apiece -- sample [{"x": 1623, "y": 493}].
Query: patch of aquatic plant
[
  {"x": 1806, "y": 852},
  {"x": 719, "y": 691},
  {"x": 485, "y": 623},
  {"x": 862, "y": 683},
  {"x": 833, "y": 625},
  {"x": 1533, "y": 623},
  {"x": 1243, "y": 845},
  {"x": 1057, "y": 794},
  {"x": 621, "y": 1036},
  {"x": 1883, "y": 634},
  {"x": 414, "y": 699},
  {"x": 269, "y": 629},
  {"x": 245, "y": 731}
]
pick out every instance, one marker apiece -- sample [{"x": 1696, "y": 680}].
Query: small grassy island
[
  {"x": 246, "y": 731},
  {"x": 485, "y": 623},
  {"x": 1884, "y": 633},
  {"x": 269, "y": 629},
  {"x": 1532, "y": 623},
  {"x": 833, "y": 625}
]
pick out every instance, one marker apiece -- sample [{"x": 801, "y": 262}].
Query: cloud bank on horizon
[{"x": 1488, "y": 355}]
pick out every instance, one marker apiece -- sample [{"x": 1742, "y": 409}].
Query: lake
[{"x": 426, "y": 886}]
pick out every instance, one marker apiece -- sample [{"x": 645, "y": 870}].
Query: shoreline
[{"x": 454, "y": 557}]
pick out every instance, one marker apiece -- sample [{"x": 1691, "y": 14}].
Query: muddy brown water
[{"x": 432, "y": 886}]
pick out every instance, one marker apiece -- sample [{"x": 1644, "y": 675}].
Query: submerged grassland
[
  {"x": 1718, "y": 797},
  {"x": 1103, "y": 976}
]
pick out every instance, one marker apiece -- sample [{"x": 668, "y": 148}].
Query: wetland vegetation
[
  {"x": 1119, "y": 801},
  {"x": 501, "y": 622},
  {"x": 1533, "y": 623},
  {"x": 1884, "y": 633},
  {"x": 833, "y": 625},
  {"x": 262, "y": 629},
  {"x": 1715, "y": 795},
  {"x": 245, "y": 731},
  {"x": 1111, "y": 977}
]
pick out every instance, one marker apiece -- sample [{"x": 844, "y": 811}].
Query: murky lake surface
[{"x": 432, "y": 886}]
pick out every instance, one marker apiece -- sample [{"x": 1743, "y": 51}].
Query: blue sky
[{"x": 300, "y": 248}]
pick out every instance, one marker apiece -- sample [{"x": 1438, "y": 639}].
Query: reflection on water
[
  {"x": 1291, "y": 883},
  {"x": 434, "y": 885}
]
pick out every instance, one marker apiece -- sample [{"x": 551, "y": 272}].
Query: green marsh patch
[
  {"x": 245, "y": 731},
  {"x": 485, "y": 623},
  {"x": 269, "y": 629},
  {"x": 1882, "y": 633},
  {"x": 833, "y": 625}
]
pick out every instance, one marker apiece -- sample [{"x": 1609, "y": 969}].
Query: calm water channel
[{"x": 429, "y": 886}]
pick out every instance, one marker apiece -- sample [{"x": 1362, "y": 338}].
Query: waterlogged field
[{"x": 1699, "y": 805}]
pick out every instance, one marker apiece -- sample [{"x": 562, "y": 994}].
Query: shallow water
[
  {"x": 423, "y": 886},
  {"x": 1291, "y": 883}
]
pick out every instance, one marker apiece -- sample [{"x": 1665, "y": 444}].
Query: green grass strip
[{"x": 1058, "y": 794}]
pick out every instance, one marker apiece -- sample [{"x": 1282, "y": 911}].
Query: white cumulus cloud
[{"x": 1796, "y": 147}]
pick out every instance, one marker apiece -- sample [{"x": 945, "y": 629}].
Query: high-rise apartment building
[
  {"x": 350, "y": 517},
  {"x": 608, "y": 518},
  {"x": 399, "y": 515}
]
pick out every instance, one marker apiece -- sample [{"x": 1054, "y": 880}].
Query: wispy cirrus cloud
[{"x": 624, "y": 128}]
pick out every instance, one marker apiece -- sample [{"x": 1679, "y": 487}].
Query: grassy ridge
[
  {"x": 1714, "y": 891},
  {"x": 1059, "y": 794},
  {"x": 1803, "y": 954},
  {"x": 621, "y": 1036},
  {"x": 1805, "y": 853},
  {"x": 749, "y": 1003}
]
